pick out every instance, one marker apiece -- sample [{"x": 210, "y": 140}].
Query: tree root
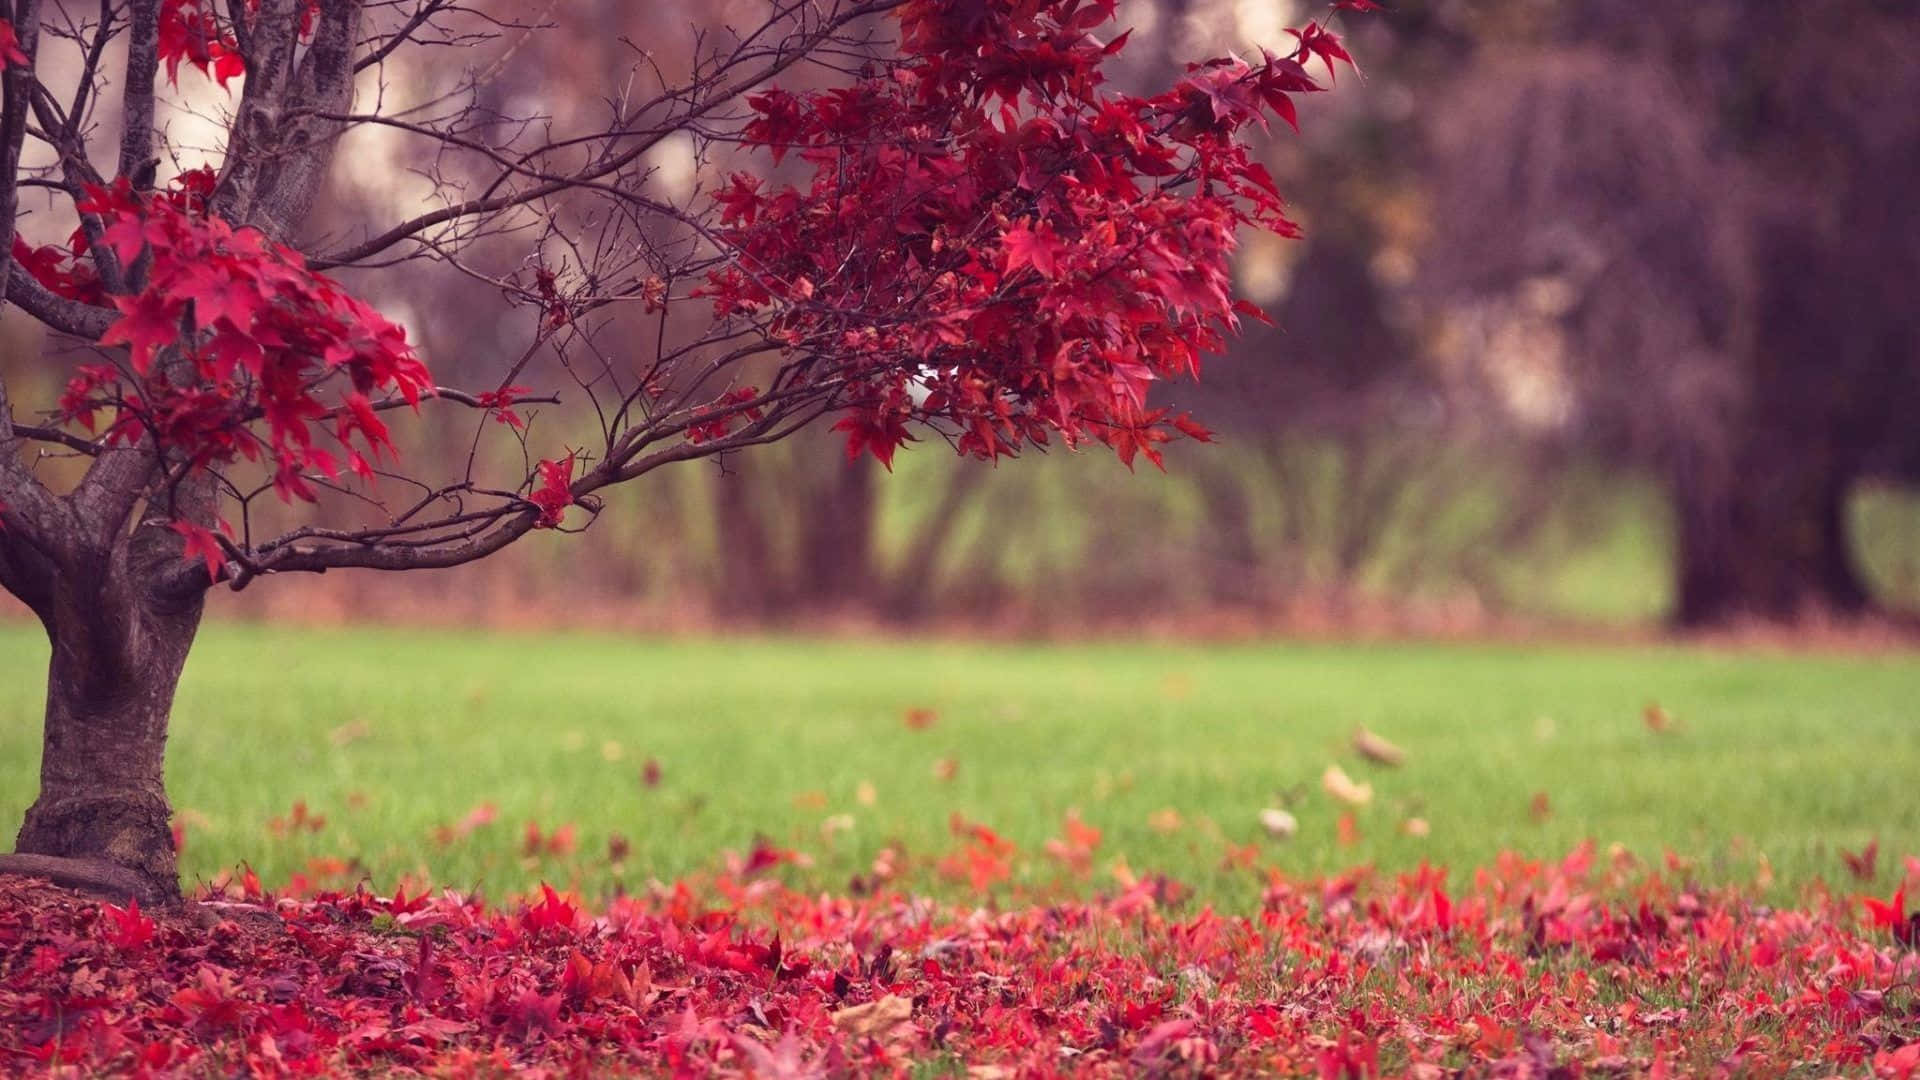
[{"x": 95, "y": 877}]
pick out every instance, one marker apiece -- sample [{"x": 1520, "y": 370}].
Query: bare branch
[
  {"x": 30, "y": 515},
  {"x": 18, "y": 83},
  {"x": 136, "y": 96},
  {"x": 724, "y": 86}
]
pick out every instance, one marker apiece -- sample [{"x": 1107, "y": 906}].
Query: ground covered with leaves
[{"x": 1589, "y": 965}]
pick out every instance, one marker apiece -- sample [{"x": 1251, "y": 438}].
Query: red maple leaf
[
  {"x": 10, "y": 53},
  {"x": 1027, "y": 247},
  {"x": 128, "y": 929},
  {"x": 554, "y": 494},
  {"x": 148, "y": 322},
  {"x": 1891, "y": 915},
  {"x": 202, "y": 544}
]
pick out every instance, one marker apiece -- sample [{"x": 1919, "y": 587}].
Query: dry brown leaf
[
  {"x": 1338, "y": 784},
  {"x": 875, "y": 1019},
  {"x": 350, "y": 732},
  {"x": 1376, "y": 749}
]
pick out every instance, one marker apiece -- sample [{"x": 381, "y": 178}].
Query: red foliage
[
  {"x": 10, "y": 53},
  {"x": 1533, "y": 969},
  {"x": 199, "y": 33},
  {"x": 554, "y": 494},
  {"x": 257, "y": 336},
  {"x": 984, "y": 239},
  {"x": 1025, "y": 251}
]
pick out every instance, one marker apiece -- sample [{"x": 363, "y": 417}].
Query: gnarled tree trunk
[
  {"x": 102, "y": 820},
  {"x": 119, "y": 597}
]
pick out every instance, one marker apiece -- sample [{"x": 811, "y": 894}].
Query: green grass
[{"x": 390, "y": 733}]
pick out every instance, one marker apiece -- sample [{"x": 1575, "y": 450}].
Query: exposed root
[{"x": 95, "y": 877}]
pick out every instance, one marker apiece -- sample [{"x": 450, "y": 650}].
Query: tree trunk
[
  {"x": 746, "y": 585},
  {"x": 910, "y": 593},
  {"x": 836, "y": 542},
  {"x": 1769, "y": 540},
  {"x": 102, "y": 820},
  {"x": 1232, "y": 553}
]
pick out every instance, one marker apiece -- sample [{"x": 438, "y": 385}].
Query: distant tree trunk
[
  {"x": 102, "y": 819},
  {"x": 1769, "y": 540},
  {"x": 1829, "y": 388},
  {"x": 1233, "y": 562},
  {"x": 747, "y": 580},
  {"x": 911, "y": 592},
  {"x": 836, "y": 548}
]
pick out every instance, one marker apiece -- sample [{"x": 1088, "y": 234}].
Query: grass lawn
[{"x": 1171, "y": 752}]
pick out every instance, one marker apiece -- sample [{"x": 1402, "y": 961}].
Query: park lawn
[{"x": 1770, "y": 767}]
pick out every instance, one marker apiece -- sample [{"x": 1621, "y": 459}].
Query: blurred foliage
[{"x": 1601, "y": 316}]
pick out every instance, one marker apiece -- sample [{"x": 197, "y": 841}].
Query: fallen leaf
[
  {"x": 875, "y": 1019},
  {"x": 351, "y": 732},
  {"x": 1861, "y": 863},
  {"x": 1376, "y": 749},
  {"x": 1347, "y": 831},
  {"x": 1279, "y": 823},
  {"x": 1658, "y": 720},
  {"x": 1338, "y": 784},
  {"x": 1240, "y": 857},
  {"x": 920, "y": 719},
  {"x": 835, "y": 825}
]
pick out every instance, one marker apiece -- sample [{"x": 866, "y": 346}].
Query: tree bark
[
  {"x": 1769, "y": 540},
  {"x": 102, "y": 820},
  {"x": 837, "y": 570}
]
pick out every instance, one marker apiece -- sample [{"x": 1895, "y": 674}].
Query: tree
[
  {"x": 1722, "y": 195},
  {"x": 979, "y": 242}
]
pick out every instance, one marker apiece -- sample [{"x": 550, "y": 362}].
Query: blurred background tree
[{"x": 1602, "y": 316}]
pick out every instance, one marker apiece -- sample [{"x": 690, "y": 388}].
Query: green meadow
[{"x": 1768, "y": 766}]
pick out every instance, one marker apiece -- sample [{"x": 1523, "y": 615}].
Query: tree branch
[
  {"x": 17, "y": 84},
  {"x": 56, "y": 312},
  {"x": 29, "y": 513},
  {"x": 39, "y": 433},
  {"x": 710, "y": 94},
  {"x": 136, "y": 100}
]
